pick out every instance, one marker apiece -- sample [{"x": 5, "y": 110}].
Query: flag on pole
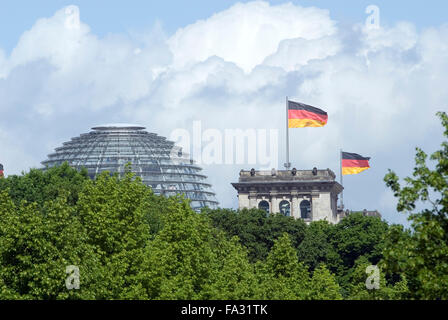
[
  {"x": 353, "y": 163},
  {"x": 301, "y": 115}
]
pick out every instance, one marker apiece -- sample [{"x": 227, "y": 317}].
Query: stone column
[
  {"x": 253, "y": 199},
  {"x": 316, "y": 205},
  {"x": 243, "y": 201},
  {"x": 295, "y": 212},
  {"x": 294, "y": 202},
  {"x": 274, "y": 202}
]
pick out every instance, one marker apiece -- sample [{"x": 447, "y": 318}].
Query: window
[
  {"x": 285, "y": 208},
  {"x": 264, "y": 205},
  {"x": 305, "y": 209}
]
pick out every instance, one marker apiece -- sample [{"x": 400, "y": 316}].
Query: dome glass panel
[{"x": 157, "y": 161}]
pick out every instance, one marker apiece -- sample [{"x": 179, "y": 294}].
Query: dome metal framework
[{"x": 110, "y": 147}]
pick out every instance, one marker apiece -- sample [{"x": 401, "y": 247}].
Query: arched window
[
  {"x": 305, "y": 209},
  {"x": 264, "y": 205},
  {"x": 285, "y": 208}
]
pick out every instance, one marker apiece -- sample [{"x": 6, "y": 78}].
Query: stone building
[
  {"x": 307, "y": 194},
  {"x": 365, "y": 213}
]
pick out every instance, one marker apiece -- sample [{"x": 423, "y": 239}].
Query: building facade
[{"x": 310, "y": 195}]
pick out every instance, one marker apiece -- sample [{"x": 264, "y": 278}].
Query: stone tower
[{"x": 303, "y": 194}]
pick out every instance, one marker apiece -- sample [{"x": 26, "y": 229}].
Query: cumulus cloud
[
  {"x": 247, "y": 33},
  {"x": 292, "y": 54},
  {"x": 381, "y": 87},
  {"x": 94, "y": 72}
]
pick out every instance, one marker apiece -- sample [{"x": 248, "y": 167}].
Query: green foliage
[
  {"x": 282, "y": 260},
  {"x": 282, "y": 276},
  {"x": 257, "y": 231},
  {"x": 131, "y": 244},
  {"x": 336, "y": 246},
  {"x": 114, "y": 214},
  {"x": 317, "y": 248},
  {"x": 188, "y": 259},
  {"x": 234, "y": 278},
  {"x": 357, "y": 236},
  {"x": 386, "y": 291},
  {"x": 36, "y": 245},
  {"x": 40, "y": 186},
  {"x": 423, "y": 255},
  {"x": 180, "y": 256},
  {"x": 323, "y": 285},
  {"x": 100, "y": 226}
]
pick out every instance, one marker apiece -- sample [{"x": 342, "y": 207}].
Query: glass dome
[{"x": 159, "y": 162}]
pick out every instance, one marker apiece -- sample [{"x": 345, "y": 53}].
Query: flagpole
[
  {"x": 342, "y": 192},
  {"x": 287, "y": 164}
]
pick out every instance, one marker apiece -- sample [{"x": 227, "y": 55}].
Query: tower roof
[
  {"x": 286, "y": 175},
  {"x": 118, "y": 126},
  {"x": 287, "y": 180}
]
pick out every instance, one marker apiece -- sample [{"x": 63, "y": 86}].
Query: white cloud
[
  {"x": 94, "y": 72},
  {"x": 247, "y": 33},
  {"x": 381, "y": 88},
  {"x": 14, "y": 154},
  {"x": 292, "y": 54},
  {"x": 403, "y": 37},
  {"x": 52, "y": 39}
]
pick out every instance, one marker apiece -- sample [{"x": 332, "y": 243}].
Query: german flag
[
  {"x": 353, "y": 163},
  {"x": 301, "y": 115}
]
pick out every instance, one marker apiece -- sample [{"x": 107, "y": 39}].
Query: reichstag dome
[{"x": 160, "y": 164}]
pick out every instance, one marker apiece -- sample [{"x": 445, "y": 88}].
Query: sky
[{"x": 66, "y": 66}]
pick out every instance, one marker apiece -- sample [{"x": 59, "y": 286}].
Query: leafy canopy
[{"x": 423, "y": 254}]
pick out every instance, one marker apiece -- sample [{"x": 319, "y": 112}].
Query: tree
[
  {"x": 384, "y": 291},
  {"x": 234, "y": 278},
  {"x": 423, "y": 254},
  {"x": 114, "y": 212},
  {"x": 358, "y": 235},
  {"x": 282, "y": 276},
  {"x": 354, "y": 237},
  {"x": 36, "y": 246},
  {"x": 180, "y": 260},
  {"x": 99, "y": 226},
  {"x": 317, "y": 248},
  {"x": 323, "y": 285},
  {"x": 257, "y": 231},
  {"x": 43, "y": 185}
]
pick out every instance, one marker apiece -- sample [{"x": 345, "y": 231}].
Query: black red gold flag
[
  {"x": 301, "y": 115},
  {"x": 353, "y": 163}
]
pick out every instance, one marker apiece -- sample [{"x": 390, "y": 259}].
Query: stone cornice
[
  {"x": 286, "y": 175},
  {"x": 288, "y": 186}
]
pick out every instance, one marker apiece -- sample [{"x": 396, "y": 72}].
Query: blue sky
[
  {"x": 113, "y": 16},
  {"x": 230, "y": 65}
]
